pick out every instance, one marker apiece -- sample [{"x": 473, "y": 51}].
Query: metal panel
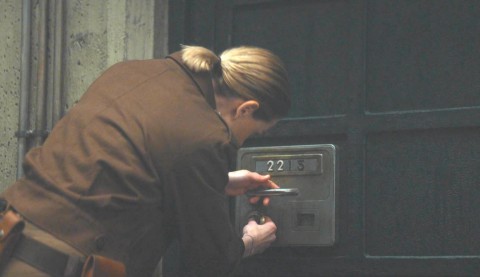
[{"x": 309, "y": 218}]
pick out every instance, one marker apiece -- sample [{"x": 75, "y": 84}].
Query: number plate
[{"x": 288, "y": 164}]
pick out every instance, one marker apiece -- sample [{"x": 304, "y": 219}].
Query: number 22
[{"x": 280, "y": 165}]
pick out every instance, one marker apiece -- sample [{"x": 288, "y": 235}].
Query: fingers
[
  {"x": 251, "y": 222},
  {"x": 266, "y": 182},
  {"x": 266, "y": 201},
  {"x": 272, "y": 185},
  {"x": 269, "y": 184},
  {"x": 262, "y": 235},
  {"x": 255, "y": 199}
]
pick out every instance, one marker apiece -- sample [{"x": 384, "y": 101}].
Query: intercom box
[{"x": 308, "y": 218}]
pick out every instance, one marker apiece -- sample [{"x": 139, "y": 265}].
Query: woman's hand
[
  {"x": 258, "y": 237},
  {"x": 241, "y": 181}
]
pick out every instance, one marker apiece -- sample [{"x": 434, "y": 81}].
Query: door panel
[
  {"x": 394, "y": 85},
  {"x": 312, "y": 43},
  {"x": 421, "y": 191},
  {"x": 422, "y": 55}
]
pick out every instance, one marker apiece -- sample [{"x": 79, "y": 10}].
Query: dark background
[{"x": 395, "y": 84}]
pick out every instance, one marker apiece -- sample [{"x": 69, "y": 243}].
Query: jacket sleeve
[{"x": 208, "y": 242}]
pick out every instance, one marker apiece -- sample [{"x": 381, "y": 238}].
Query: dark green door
[{"x": 395, "y": 84}]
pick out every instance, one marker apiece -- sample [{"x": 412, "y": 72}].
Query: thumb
[{"x": 262, "y": 178}]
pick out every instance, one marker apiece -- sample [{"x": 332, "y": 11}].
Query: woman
[{"x": 147, "y": 156}]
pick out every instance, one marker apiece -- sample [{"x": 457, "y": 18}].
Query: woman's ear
[{"x": 247, "y": 108}]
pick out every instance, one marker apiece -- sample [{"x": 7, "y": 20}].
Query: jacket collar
[{"x": 203, "y": 80}]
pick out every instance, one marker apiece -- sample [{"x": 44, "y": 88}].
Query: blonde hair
[{"x": 247, "y": 72}]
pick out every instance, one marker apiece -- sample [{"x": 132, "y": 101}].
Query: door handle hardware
[
  {"x": 273, "y": 192},
  {"x": 257, "y": 216}
]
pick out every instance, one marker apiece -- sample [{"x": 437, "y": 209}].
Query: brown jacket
[{"x": 141, "y": 159}]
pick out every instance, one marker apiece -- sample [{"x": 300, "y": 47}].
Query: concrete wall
[
  {"x": 95, "y": 35},
  {"x": 10, "y": 42},
  {"x": 101, "y": 33}
]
